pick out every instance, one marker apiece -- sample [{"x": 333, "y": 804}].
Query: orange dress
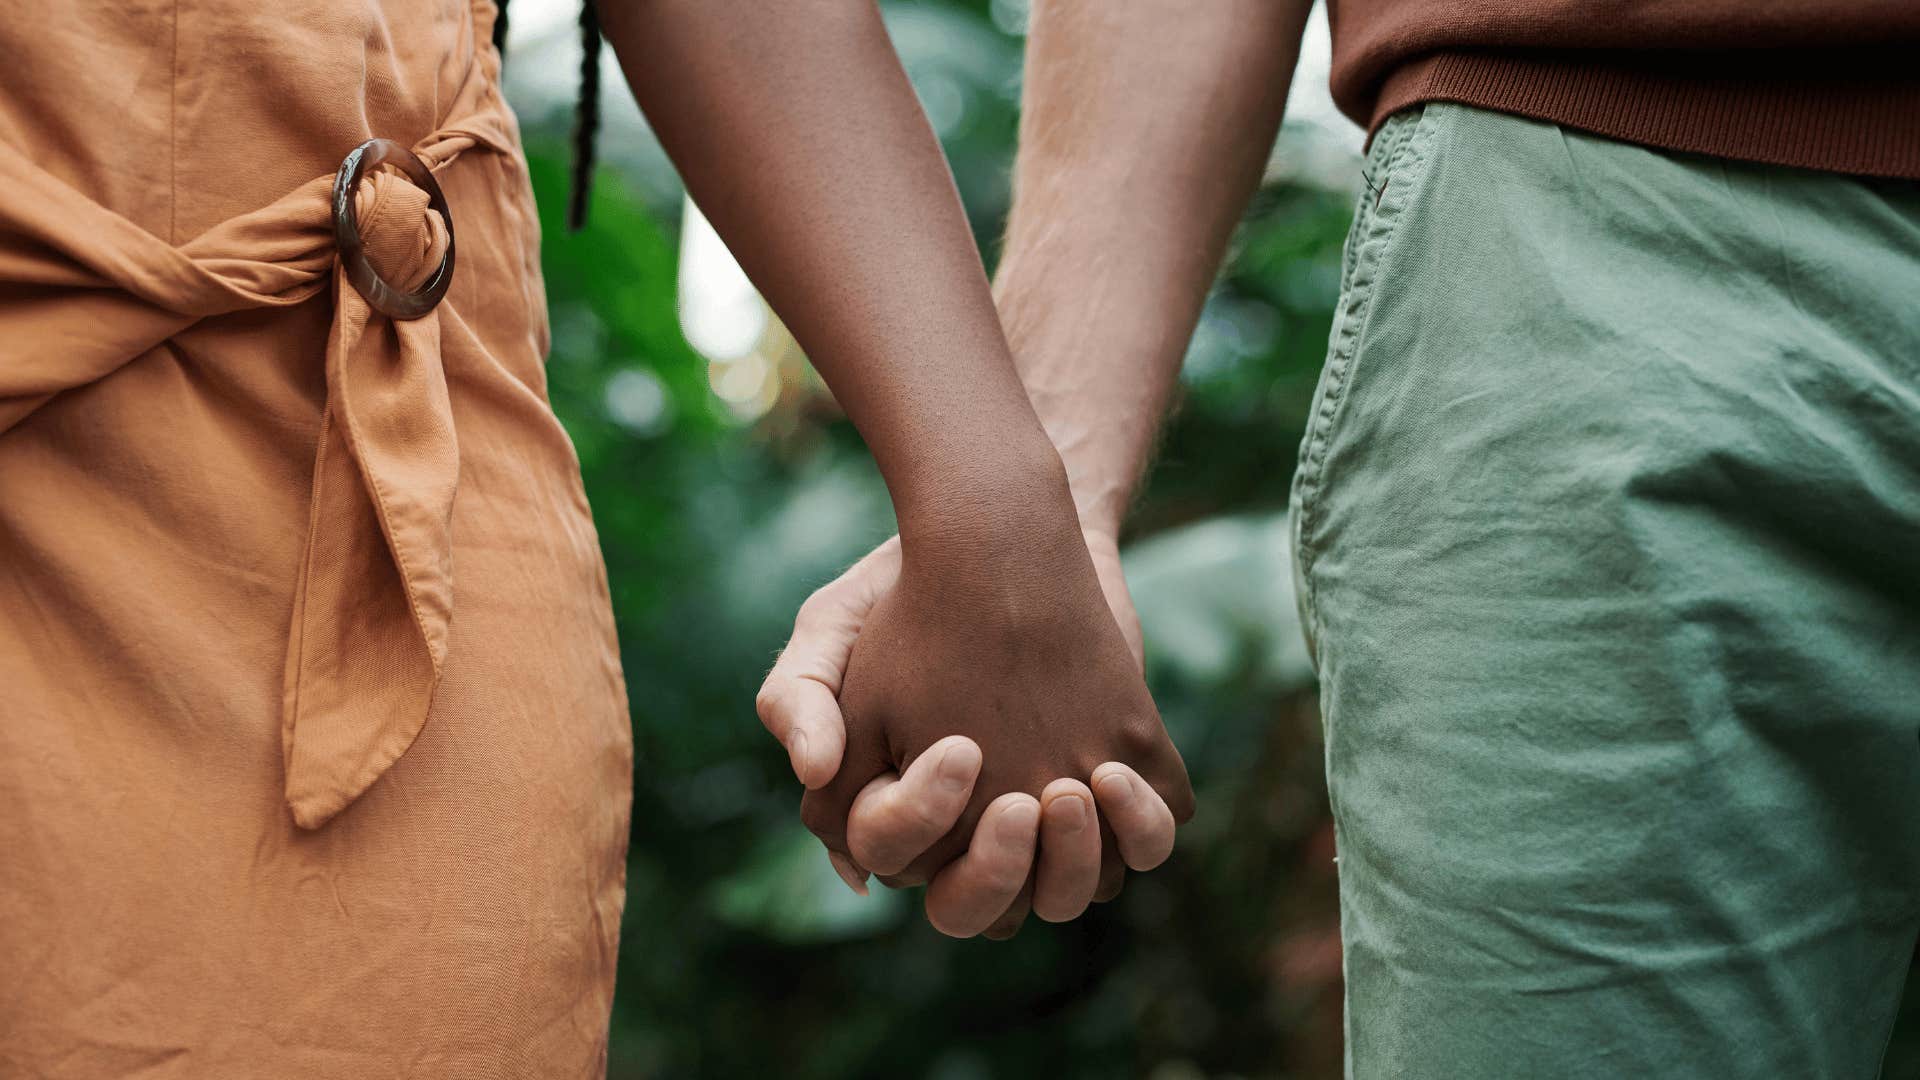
[{"x": 314, "y": 752}]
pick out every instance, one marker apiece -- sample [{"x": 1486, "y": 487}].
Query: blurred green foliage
[{"x": 742, "y": 955}]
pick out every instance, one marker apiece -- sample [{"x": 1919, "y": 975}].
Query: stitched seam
[
  {"x": 383, "y": 760},
  {"x": 289, "y": 726},
  {"x": 1313, "y": 454},
  {"x": 1370, "y": 256},
  {"x": 386, "y": 756}
]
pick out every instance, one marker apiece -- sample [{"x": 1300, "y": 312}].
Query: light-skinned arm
[{"x": 1144, "y": 131}]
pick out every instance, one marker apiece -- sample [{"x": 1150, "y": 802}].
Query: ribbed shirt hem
[{"x": 1847, "y": 114}]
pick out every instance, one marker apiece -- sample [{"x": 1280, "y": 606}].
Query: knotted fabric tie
[{"x": 83, "y": 292}]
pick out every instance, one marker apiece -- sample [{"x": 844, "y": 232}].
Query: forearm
[
  {"x": 1144, "y": 130},
  {"x": 799, "y": 135}
]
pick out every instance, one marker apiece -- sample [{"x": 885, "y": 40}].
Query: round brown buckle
[{"x": 380, "y": 296}]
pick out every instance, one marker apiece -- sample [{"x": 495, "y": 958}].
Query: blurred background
[{"x": 726, "y": 486}]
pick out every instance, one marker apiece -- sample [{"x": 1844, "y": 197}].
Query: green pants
[{"x": 1607, "y": 526}]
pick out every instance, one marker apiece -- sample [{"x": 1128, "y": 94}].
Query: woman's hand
[{"x": 1036, "y": 653}]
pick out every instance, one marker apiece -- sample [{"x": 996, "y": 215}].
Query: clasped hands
[{"x": 968, "y": 712}]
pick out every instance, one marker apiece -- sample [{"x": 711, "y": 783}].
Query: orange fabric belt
[{"x": 84, "y": 291}]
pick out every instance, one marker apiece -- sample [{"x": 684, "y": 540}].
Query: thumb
[
  {"x": 797, "y": 703},
  {"x": 801, "y": 712}
]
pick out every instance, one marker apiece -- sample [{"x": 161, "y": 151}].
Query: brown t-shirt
[{"x": 1820, "y": 84}]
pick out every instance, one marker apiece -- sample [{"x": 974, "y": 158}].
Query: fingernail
[
  {"x": 1068, "y": 812},
  {"x": 797, "y": 754},
  {"x": 855, "y": 878},
  {"x": 1018, "y": 822},
  {"x": 1116, "y": 790},
  {"x": 958, "y": 766}
]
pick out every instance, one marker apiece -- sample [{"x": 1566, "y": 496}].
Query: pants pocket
[{"x": 1392, "y": 170}]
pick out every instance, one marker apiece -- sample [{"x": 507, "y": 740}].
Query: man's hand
[{"x": 897, "y": 815}]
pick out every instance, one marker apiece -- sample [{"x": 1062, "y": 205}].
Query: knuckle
[
  {"x": 1004, "y": 929},
  {"x": 877, "y": 850},
  {"x": 953, "y": 925},
  {"x": 1149, "y": 849},
  {"x": 1140, "y": 737},
  {"x": 1065, "y": 911},
  {"x": 1005, "y": 875},
  {"x": 1150, "y": 858},
  {"x": 817, "y": 609},
  {"x": 770, "y": 702},
  {"x": 925, "y": 816},
  {"x": 1065, "y": 785}
]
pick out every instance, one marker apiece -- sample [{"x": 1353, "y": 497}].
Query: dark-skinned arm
[{"x": 797, "y": 133}]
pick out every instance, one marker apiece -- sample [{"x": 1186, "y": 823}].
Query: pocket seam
[{"x": 1404, "y": 161}]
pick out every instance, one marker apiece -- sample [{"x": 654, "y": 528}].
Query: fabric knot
[
  {"x": 405, "y": 239},
  {"x": 85, "y": 292}
]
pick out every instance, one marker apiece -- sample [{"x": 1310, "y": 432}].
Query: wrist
[
  {"x": 1098, "y": 376},
  {"x": 1101, "y": 496},
  {"x": 1004, "y": 504},
  {"x": 1095, "y": 446}
]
